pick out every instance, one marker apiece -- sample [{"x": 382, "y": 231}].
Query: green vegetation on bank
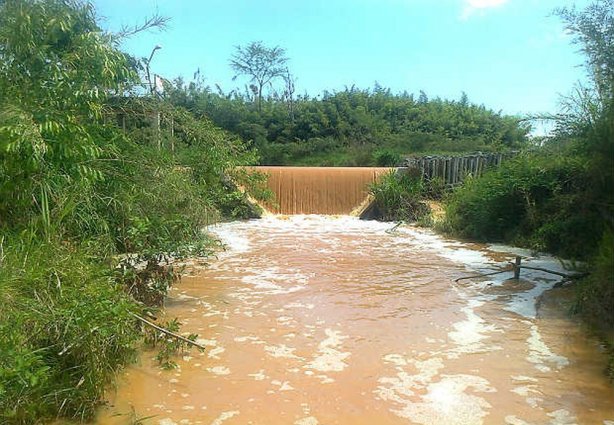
[
  {"x": 557, "y": 197},
  {"x": 352, "y": 127},
  {"x": 402, "y": 196},
  {"x": 87, "y": 176},
  {"x": 560, "y": 197}
]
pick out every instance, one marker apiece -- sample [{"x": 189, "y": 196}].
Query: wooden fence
[{"x": 454, "y": 169}]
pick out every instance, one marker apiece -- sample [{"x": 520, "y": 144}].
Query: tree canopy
[{"x": 262, "y": 64}]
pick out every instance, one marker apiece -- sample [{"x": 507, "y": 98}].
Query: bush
[
  {"x": 595, "y": 296},
  {"x": 398, "y": 195},
  {"x": 65, "y": 328},
  {"x": 387, "y": 158},
  {"x": 535, "y": 200}
]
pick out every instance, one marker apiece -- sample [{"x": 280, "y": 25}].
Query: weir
[{"x": 319, "y": 190}]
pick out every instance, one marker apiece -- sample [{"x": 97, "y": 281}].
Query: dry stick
[
  {"x": 481, "y": 275},
  {"x": 394, "y": 228},
  {"x": 565, "y": 275},
  {"x": 169, "y": 333}
]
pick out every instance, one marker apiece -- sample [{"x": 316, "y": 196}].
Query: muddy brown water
[
  {"x": 322, "y": 320},
  {"x": 319, "y": 190}
]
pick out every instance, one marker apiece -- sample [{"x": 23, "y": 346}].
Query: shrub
[
  {"x": 535, "y": 200},
  {"x": 398, "y": 195},
  {"x": 65, "y": 328},
  {"x": 387, "y": 158}
]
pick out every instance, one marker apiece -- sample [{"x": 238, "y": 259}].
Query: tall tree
[
  {"x": 261, "y": 63},
  {"x": 593, "y": 30}
]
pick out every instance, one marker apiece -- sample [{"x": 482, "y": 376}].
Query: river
[{"x": 331, "y": 320}]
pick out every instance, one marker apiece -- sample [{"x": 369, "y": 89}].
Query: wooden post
[{"x": 517, "y": 267}]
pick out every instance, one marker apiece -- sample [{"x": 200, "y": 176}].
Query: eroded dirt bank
[{"x": 314, "y": 320}]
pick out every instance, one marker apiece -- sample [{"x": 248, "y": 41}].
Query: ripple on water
[{"x": 296, "y": 303}]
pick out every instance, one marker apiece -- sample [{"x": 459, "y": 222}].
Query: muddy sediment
[{"x": 320, "y": 320}]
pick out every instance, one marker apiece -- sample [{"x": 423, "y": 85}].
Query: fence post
[{"x": 517, "y": 267}]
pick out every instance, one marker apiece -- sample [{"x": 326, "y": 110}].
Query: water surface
[{"x": 319, "y": 320}]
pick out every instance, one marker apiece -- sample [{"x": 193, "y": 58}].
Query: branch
[
  {"x": 167, "y": 332},
  {"x": 155, "y": 21},
  {"x": 484, "y": 274},
  {"x": 565, "y": 275}
]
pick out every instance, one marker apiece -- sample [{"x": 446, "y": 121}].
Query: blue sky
[{"x": 509, "y": 55}]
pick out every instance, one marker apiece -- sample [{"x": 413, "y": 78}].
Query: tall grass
[
  {"x": 65, "y": 328},
  {"x": 399, "y": 195}
]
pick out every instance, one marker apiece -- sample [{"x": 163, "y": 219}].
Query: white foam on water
[
  {"x": 522, "y": 378},
  {"x": 469, "y": 334},
  {"x": 283, "y": 386},
  {"x": 524, "y": 303},
  {"x": 310, "y": 420},
  {"x": 231, "y": 237},
  {"x": 446, "y": 402},
  {"x": 403, "y": 384},
  {"x": 258, "y": 376},
  {"x": 330, "y": 359},
  {"x": 224, "y": 416},
  {"x": 540, "y": 353},
  {"x": 273, "y": 281},
  {"x": 307, "y": 306},
  {"x": 219, "y": 370},
  {"x": 395, "y": 359},
  {"x": 454, "y": 251},
  {"x": 562, "y": 417},
  {"x": 525, "y": 390},
  {"x": 513, "y": 420},
  {"x": 251, "y": 338},
  {"x": 281, "y": 350},
  {"x": 213, "y": 354},
  {"x": 206, "y": 342}
]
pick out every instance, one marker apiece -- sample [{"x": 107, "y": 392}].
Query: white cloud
[{"x": 472, "y": 7}]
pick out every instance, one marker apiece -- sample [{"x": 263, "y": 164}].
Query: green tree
[
  {"x": 262, "y": 64},
  {"x": 593, "y": 30},
  {"x": 57, "y": 68}
]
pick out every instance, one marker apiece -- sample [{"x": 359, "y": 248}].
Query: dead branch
[
  {"x": 396, "y": 226},
  {"x": 515, "y": 267},
  {"x": 483, "y": 274},
  {"x": 167, "y": 332},
  {"x": 564, "y": 275}
]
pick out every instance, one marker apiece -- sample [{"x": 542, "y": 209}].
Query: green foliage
[
  {"x": 56, "y": 70},
  {"x": 387, "y": 158},
  {"x": 64, "y": 330},
  {"x": 347, "y": 127},
  {"x": 88, "y": 176},
  {"x": 399, "y": 196},
  {"x": 169, "y": 347},
  {"x": 262, "y": 64},
  {"x": 559, "y": 198},
  {"x": 596, "y": 293},
  {"x": 534, "y": 200}
]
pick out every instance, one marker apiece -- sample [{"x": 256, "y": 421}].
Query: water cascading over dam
[{"x": 319, "y": 190}]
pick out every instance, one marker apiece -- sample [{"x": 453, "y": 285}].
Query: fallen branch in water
[
  {"x": 167, "y": 332},
  {"x": 515, "y": 267},
  {"x": 565, "y": 275},
  {"x": 396, "y": 226},
  {"x": 483, "y": 274}
]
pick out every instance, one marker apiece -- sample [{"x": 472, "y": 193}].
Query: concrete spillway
[{"x": 319, "y": 190}]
